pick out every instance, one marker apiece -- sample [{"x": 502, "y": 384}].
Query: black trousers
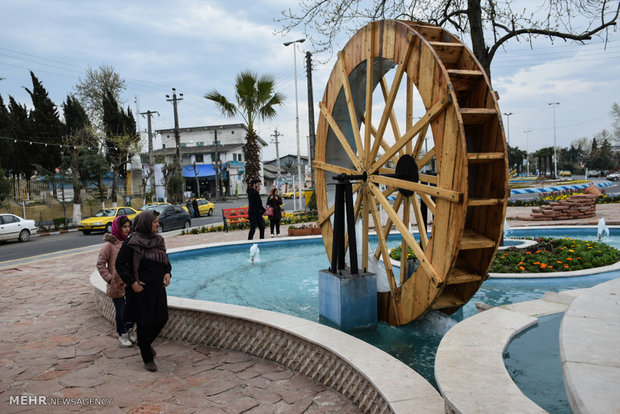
[
  {"x": 274, "y": 222},
  {"x": 146, "y": 336},
  {"x": 260, "y": 223}
]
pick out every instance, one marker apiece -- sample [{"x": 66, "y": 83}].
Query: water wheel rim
[{"x": 341, "y": 148}]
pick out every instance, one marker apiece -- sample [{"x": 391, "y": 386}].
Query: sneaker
[
  {"x": 272, "y": 235},
  {"x": 150, "y": 366},
  {"x": 124, "y": 341},
  {"x": 131, "y": 334}
]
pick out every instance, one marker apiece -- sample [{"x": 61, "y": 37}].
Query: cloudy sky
[{"x": 196, "y": 46}]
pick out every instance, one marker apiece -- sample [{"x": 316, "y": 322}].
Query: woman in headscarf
[
  {"x": 121, "y": 227},
  {"x": 143, "y": 265}
]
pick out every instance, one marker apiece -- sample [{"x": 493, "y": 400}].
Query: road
[{"x": 74, "y": 241}]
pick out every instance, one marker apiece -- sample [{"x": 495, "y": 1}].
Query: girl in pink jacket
[{"x": 121, "y": 227}]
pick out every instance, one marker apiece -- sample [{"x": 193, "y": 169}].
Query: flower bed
[{"x": 304, "y": 230}]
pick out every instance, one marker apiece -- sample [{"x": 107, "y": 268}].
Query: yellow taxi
[
  {"x": 290, "y": 194},
  {"x": 102, "y": 221},
  {"x": 205, "y": 207}
]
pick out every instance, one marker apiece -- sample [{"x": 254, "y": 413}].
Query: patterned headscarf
[
  {"x": 117, "y": 227},
  {"x": 146, "y": 243}
]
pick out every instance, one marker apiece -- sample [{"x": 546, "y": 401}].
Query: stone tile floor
[{"x": 55, "y": 345}]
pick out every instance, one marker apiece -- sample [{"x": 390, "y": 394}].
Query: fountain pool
[{"x": 286, "y": 280}]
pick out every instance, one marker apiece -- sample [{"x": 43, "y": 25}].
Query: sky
[{"x": 197, "y": 46}]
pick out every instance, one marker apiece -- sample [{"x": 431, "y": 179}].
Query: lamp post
[
  {"x": 294, "y": 42},
  {"x": 508, "y": 124},
  {"x": 555, "y": 155}
]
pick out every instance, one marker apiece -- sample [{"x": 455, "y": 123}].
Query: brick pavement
[{"x": 55, "y": 344}]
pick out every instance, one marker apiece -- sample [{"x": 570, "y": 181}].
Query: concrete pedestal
[{"x": 349, "y": 301}]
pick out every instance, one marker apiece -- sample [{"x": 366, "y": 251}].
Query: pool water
[{"x": 285, "y": 279}]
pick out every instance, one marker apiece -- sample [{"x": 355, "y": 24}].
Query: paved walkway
[{"x": 54, "y": 345}]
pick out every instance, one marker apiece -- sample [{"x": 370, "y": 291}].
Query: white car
[
  {"x": 613, "y": 176},
  {"x": 14, "y": 227}
]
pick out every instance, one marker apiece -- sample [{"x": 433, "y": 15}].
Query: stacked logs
[{"x": 575, "y": 207}]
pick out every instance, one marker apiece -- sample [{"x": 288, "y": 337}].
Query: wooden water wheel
[{"x": 412, "y": 95}]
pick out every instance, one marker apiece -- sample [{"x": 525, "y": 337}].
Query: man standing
[{"x": 255, "y": 210}]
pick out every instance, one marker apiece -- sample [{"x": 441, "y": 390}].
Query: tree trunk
[
  {"x": 474, "y": 15},
  {"x": 114, "y": 183},
  {"x": 77, "y": 188}
]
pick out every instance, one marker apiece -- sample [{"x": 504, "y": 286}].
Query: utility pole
[
  {"x": 312, "y": 136},
  {"x": 149, "y": 114},
  {"x": 527, "y": 144},
  {"x": 555, "y": 154},
  {"x": 177, "y": 136},
  {"x": 277, "y": 134},
  {"x": 217, "y": 170}
]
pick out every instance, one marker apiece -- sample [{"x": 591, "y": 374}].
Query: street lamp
[
  {"x": 555, "y": 155},
  {"x": 297, "y": 117},
  {"x": 527, "y": 156},
  {"x": 508, "y": 124}
]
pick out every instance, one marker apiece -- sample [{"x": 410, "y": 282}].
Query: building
[
  {"x": 288, "y": 171},
  {"x": 200, "y": 147}
]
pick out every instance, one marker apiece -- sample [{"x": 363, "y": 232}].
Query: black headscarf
[{"x": 144, "y": 242}]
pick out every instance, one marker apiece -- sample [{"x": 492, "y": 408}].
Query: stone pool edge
[{"x": 370, "y": 378}]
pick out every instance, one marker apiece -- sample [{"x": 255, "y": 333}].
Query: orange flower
[
  {"x": 565, "y": 266},
  {"x": 521, "y": 267},
  {"x": 528, "y": 252},
  {"x": 543, "y": 265},
  {"x": 550, "y": 267},
  {"x": 537, "y": 251},
  {"x": 559, "y": 261},
  {"x": 569, "y": 258},
  {"x": 520, "y": 262},
  {"x": 536, "y": 263}
]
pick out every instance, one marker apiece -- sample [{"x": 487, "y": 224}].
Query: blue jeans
[{"x": 121, "y": 326}]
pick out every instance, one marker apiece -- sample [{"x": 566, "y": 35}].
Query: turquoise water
[{"x": 285, "y": 279}]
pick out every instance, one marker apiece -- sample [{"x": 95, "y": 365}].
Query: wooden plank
[
  {"x": 369, "y": 57},
  {"x": 473, "y": 240},
  {"x": 341, "y": 138},
  {"x": 477, "y": 116},
  {"x": 449, "y": 53},
  {"x": 388, "y": 224},
  {"x": 459, "y": 276},
  {"x": 428, "y": 157},
  {"x": 409, "y": 111},
  {"x": 393, "y": 120},
  {"x": 403, "y": 244},
  {"x": 404, "y": 231},
  {"x": 394, "y": 297},
  {"x": 411, "y": 132},
  {"x": 344, "y": 78},
  {"x": 429, "y": 202},
  {"x": 417, "y": 211},
  {"x": 389, "y": 102},
  {"x": 448, "y": 299},
  {"x": 420, "y": 140},
  {"x": 426, "y": 178},
  {"x": 473, "y": 202},
  {"x": 334, "y": 168},
  {"x": 443, "y": 193},
  {"x": 485, "y": 157}
]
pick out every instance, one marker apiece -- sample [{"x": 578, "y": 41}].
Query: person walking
[
  {"x": 196, "y": 209},
  {"x": 115, "y": 289},
  {"x": 190, "y": 208},
  {"x": 255, "y": 210},
  {"x": 274, "y": 211},
  {"x": 143, "y": 265}
]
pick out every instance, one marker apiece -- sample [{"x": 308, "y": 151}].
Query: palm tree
[{"x": 255, "y": 98}]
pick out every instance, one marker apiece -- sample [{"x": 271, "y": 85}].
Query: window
[
  {"x": 234, "y": 157},
  {"x": 200, "y": 144},
  {"x": 183, "y": 144},
  {"x": 232, "y": 132},
  {"x": 199, "y": 158},
  {"x": 240, "y": 157}
]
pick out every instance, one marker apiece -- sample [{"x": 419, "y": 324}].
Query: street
[{"x": 75, "y": 241}]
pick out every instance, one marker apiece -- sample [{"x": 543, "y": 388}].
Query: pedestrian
[
  {"x": 190, "y": 208},
  {"x": 196, "y": 209},
  {"x": 255, "y": 210},
  {"x": 274, "y": 211},
  {"x": 143, "y": 265},
  {"x": 115, "y": 289}
]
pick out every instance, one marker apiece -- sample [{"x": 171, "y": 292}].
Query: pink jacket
[{"x": 107, "y": 270}]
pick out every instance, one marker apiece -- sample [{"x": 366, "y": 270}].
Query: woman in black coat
[
  {"x": 275, "y": 202},
  {"x": 255, "y": 210},
  {"x": 143, "y": 265}
]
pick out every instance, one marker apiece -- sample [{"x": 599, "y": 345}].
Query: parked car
[
  {"x": 594, "y": 173},
  {"x": 613, "y": 176},
  {"x": 564, "y": 173},
  {"x": 290, "y": 194},
  {"x": 172, "y": 217},
  {"x": 151, "y": 205},
  {"x": 13, "y": 227},
  {"x": 102, "y": 221},
  {"x": 205, "y": 207}
]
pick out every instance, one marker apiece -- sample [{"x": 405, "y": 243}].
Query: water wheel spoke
[
  {"x": 417, "y": 211},
  {"x": 393, "y": 119},
  {"x": 404, "y": 231},
  {"x": 339, "y": 134},
  {"x": 429, "y": 202},
  {"x": 411, "y": 132},
  {"x": 390, "y": 98},
  {"x": 370, "y": 76},
  {"x": 438, "y": 192},
  {"x": 388, "y": 224},
  {"x": 419, "y": 141},
  {"x": 427, "y": 178},
  {"x": 409, "y": 110},
  {"x": 389, "y": 270},
  {"x": 336, "y": 169},
  {"x": 350, "y": 105},
  {"x": 384, "y": 145},
  {"x": 428, "y": 157},
  {"x": 403, "y": 245}
]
